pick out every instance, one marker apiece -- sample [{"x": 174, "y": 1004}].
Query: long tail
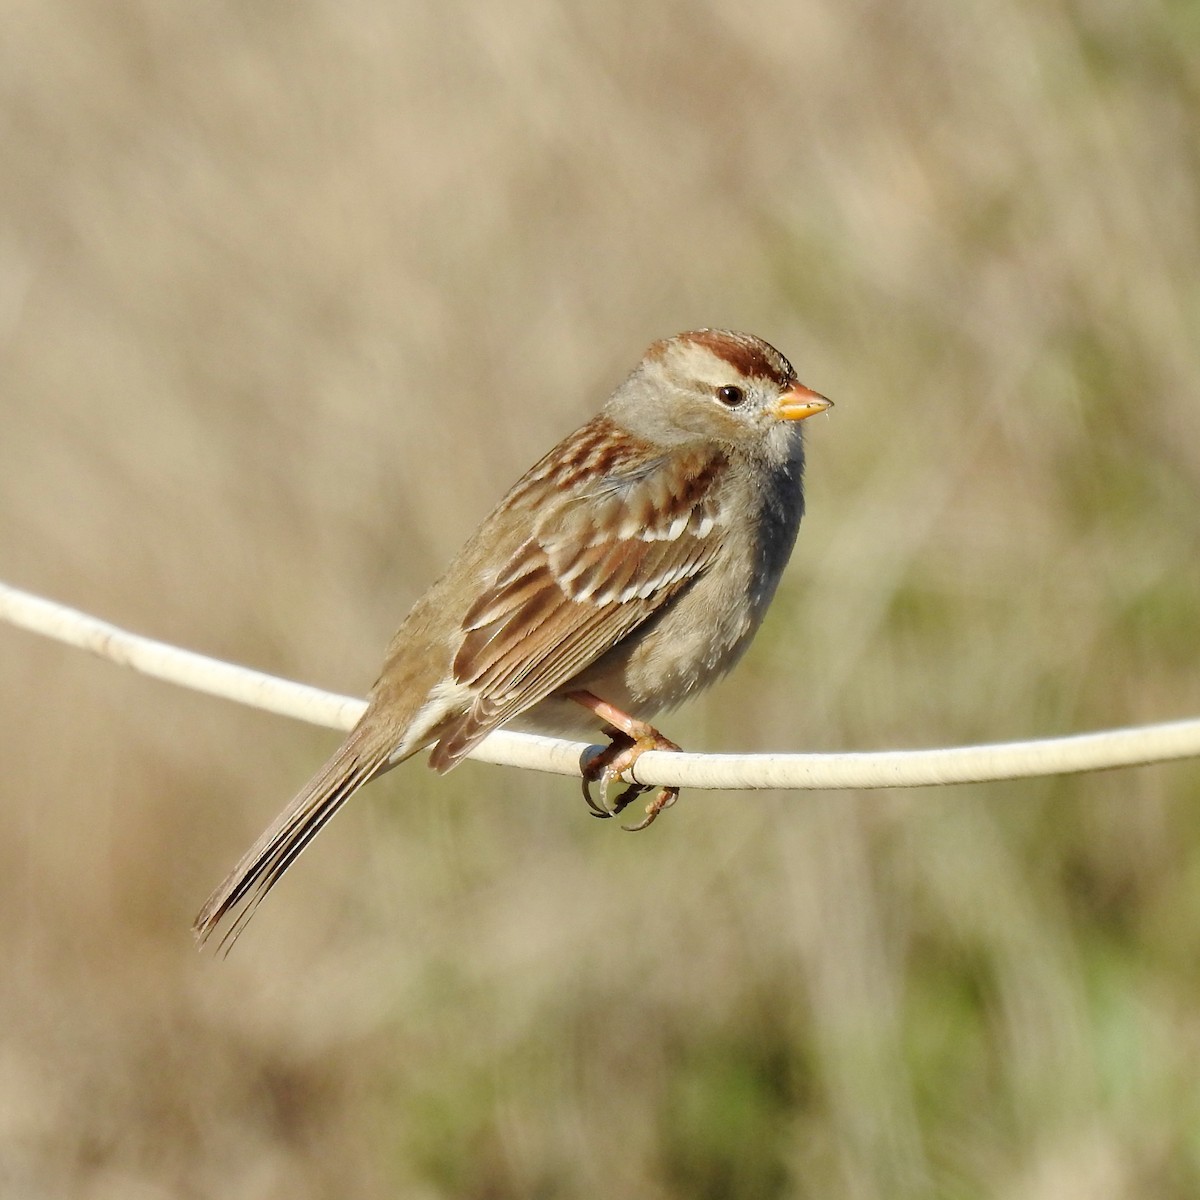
[{"x": 362, "y": 756}]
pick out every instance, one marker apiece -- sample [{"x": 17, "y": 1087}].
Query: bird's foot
[{"x": 630, "y": 739}]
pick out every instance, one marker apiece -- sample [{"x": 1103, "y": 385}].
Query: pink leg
[{"x": 631, "y": 738}]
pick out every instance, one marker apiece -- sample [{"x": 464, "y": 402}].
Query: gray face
[{"x": 711, "y": 384}]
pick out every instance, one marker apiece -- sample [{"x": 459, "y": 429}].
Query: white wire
[{"x": 895, "y": 768}]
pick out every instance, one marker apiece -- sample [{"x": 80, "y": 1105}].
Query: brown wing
[{"x": 602, "y": 560}]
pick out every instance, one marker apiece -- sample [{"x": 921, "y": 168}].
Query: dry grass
[{"x": 290, "y": 293}]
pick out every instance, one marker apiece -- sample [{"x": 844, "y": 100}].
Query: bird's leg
[{"x": 631, "y": 738}]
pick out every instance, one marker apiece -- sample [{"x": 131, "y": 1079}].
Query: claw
[
  {"x": 628, "y": 742},
  {"x": 631, "y": 793},
  {"x": 603, "y": 768},
  {"x": 665, "y": 798},
  {"x": 597, "y": 809}
]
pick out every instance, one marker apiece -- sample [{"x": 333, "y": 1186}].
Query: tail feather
[{"x": 362, "y": 756}]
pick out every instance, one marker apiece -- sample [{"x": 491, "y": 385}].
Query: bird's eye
[{"x": 730, "y": 395}]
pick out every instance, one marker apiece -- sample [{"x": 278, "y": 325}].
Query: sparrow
[{"x": 624, "y": 572}]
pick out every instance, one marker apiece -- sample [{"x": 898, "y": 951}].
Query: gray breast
[{"x": 706, "y": 628}]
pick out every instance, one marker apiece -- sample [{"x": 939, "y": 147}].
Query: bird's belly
[{"x": 675, "y": 655}]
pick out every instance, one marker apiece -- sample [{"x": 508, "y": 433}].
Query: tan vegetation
[{"x": 290, "y": 293}]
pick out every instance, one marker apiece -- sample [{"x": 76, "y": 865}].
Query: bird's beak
[{"x": 799, "y": 402}]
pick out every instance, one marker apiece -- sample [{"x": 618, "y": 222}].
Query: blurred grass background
[{"x": 289, "y": 294}]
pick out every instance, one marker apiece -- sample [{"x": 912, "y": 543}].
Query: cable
[{"x": 1098, "y": 751}]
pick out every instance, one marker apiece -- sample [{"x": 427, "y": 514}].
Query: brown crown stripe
[{"x": 745, "y": 353}]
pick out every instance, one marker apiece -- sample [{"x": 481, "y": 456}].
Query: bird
[{"x": 627, "y": 570}]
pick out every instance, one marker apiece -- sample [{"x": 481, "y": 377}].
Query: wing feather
[{"x": 588, "y": 577}]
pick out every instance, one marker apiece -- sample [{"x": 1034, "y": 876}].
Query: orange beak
[{"x": 799, "y": 402}]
